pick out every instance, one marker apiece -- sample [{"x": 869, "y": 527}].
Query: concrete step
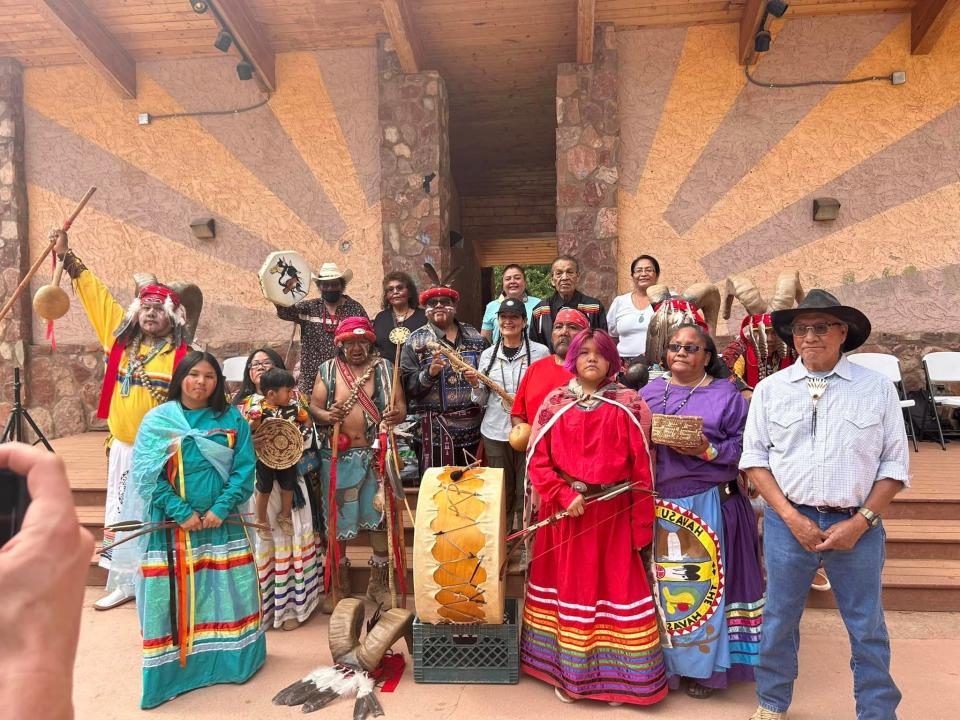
[{"x": 911, "y": 584}]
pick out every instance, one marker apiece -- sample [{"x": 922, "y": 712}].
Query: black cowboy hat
[{"x": 817, "y": 300}]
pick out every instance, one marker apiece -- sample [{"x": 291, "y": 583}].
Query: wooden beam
[
  {"x": 80, "y": 28},
  {"x": 399, "y": 21},
  {"x": 749, "y": 24},
  {"x": 585, "y": 19},
  {"x": 249, "y": 37},
  {"x": 927, "y": 22}
]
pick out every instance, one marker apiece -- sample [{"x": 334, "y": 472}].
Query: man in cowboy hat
[
  {"x": 318, "y": 320},
  {"x": 825, "y": 445},
  {"x": 143, "y": 344}
]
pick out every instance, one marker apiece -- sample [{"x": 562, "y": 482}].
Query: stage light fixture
[
  {"x": 244, "y": 70},
  {"x": 777, "y": 8},
  {"x": 825, "y": 209},
  {"x": 223, "y": 41},
  {"x": 761, "y": 43},
  {"x": 199, "y": 6}
]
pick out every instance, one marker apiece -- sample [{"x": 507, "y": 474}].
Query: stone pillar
[
  {"x": 588, "y": 155},
  {"x": 14, "y": 243},
  {"x": 413, "y": 147}
]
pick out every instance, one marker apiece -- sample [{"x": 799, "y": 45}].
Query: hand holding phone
[
  {"x": 14, "y": 499},
  {"x": 42, "y": 573}
]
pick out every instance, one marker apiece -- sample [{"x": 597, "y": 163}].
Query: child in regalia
[{"x": 278, "y": 400}]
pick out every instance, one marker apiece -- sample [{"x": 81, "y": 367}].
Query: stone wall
[
  {"x": 413, "y": 146},
  {"x": 588, "y": 155},
  {"x": 14, "y": 249}
]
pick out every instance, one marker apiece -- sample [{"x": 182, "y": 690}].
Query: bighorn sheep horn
[
  {"x": 394, "y": 624},
  {"x": 705, "y": 296},
  {"x": 345, "y": 624},
  {"x": 746, "y": 292},
  {"x": 787, "y": 291},
  {"x": 658, "y": 293}
]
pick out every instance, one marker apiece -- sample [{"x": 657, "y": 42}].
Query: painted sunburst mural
[
  {"x": 301, "y": 172},
  {"x": 718, "y": 176}
]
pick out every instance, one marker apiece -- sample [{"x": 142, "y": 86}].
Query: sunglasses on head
[
  {"x": 439, "y": 302},
  {"x": 688, "y": 347}
]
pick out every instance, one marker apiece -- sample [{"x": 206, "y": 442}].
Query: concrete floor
[{"x": 926, "y": 665}]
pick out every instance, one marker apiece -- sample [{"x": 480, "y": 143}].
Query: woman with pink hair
[{"x": 589, "y": 621}]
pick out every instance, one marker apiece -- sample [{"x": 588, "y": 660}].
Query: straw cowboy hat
[
  {"x": 817, "y": 300},
  {"x": 330, "y": 271}
]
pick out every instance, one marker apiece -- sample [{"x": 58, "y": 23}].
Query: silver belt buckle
[{"x": 580, "y": 487}]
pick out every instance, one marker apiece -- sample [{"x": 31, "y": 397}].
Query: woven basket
[
  {"x": 681, "y": 431},
  {"x": 278, "y": 443}
]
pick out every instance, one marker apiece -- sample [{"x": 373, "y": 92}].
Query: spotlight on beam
[
  {"x": 199, "y": 6},
  {"x": 244, "y": 70},
  {"x": 761, "y": 43},
  {"x": 223, "y": 41},
  {"x": 777, "y": 8}
]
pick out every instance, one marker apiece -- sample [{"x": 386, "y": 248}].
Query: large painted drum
[
  {"x": 459, "y": 546},
  {"x": 285, "y": 278}
]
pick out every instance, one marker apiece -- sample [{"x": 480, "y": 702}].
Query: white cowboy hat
[{"x": 330, "y": 271}]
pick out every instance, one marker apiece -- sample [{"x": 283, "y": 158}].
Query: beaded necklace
[
  {"x": 666, "y": 388},
  {"x": 136, "y": 368}
]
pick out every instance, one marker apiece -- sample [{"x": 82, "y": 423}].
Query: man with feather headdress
[
  {"x": 437, "y": 394},
  {"x": 143, "y": 344}
]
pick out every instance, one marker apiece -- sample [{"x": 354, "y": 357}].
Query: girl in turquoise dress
[{"x": 198, "y": 597}]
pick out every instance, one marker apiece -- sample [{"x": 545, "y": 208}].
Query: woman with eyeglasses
[
  {"x": 629, "y": 315},
  {"x": 400, "y": 309},
  {"x": 287, "y": 561},
  {"x": 706, "y": 547}
]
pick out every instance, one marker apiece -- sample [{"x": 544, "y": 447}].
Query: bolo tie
[{"x": 816, "y": 387}]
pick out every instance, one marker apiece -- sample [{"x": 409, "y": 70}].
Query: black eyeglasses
[
  {"x": 820, "y": 328},
  {"x": 439, "y": 302},
  {"x": 266, "y": 364},
  {"x": 689, "y": 348},
  {"x": 396, "y": 289}
]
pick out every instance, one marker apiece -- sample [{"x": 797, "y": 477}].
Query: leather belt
[
  {"x": 729, "y": 490},
  {"x": 851, "y": 511},
  {"x": 581, "y": 487}
]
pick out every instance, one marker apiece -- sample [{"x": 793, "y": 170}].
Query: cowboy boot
[
  {"x": 378, "y": 587},
  {"x": 341, "y": 591}
]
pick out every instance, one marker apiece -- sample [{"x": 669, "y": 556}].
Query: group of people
[{"x": 650, "y": 574}]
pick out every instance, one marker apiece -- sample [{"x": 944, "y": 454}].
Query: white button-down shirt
[{"x": 859, "y": 437}]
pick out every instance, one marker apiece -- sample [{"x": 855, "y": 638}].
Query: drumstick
[{"x": 39, "y": 261}]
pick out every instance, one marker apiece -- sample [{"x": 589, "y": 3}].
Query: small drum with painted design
[{"x": 285, "y": 278}]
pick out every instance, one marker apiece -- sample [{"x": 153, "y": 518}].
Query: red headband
[
  {"x": 441, "y": 291},
  {"x": 354, "y": 328},
  {"x": 576, "y": 317},
  {"x": 158, "y": 294}
]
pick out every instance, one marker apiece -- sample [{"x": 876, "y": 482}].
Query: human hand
[
  {"x": 436, "y": 364},
  {"x": 59, "y": 237},
  {"x": 844, "y": 535},
  {"x": 192, "y": 523},
  {"x": 576, "y": 507},
  {"x": 393, "y": 417},
  {"x": 471, "y": 377},
  {"x": 40, "y": 612},
  {"x": 336, "y": 412},
  {"x": 700, "y": 449},
  {"x": 211, "y": 520},
  {"x": 807, "y": 533}
]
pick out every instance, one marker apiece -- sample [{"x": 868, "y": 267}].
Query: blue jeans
[{"x": 855, "y": 577}]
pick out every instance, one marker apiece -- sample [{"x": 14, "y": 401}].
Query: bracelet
[
  {"x": 72, "y": 265},
  {"x": 710, "y": 453}
]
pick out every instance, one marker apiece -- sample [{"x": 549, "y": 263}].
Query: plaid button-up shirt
[{"x": 859, "y": 437}]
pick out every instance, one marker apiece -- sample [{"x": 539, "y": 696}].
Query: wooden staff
[
  {"x": 39, "y": 261},
  {"x": 461, "y": 365},
  {"x": 333, "y": 550}
]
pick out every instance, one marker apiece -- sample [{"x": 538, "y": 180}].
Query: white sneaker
[{"x": 115, "y": 599}]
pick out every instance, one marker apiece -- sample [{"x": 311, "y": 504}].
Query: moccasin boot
[{"x": 378, "y": 587}]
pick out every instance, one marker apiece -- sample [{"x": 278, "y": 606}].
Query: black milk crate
[{"x": 468, "y": 654}]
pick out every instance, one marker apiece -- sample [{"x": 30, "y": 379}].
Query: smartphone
[{"x": 14, "y": 499}]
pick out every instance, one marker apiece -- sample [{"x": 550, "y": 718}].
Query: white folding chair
[
  {"x": 233, "y": 368},
  {"x": 941, "y": 367},
  {"x": 889, "y": 365}
]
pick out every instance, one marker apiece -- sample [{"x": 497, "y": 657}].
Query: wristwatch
[{"x": 870, "y": 516}]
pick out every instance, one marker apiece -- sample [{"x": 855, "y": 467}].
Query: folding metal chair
[
  {"x": 889, "y": 365},
  {"x": 941, "y": 367}
]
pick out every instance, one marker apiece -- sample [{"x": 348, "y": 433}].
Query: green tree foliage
[{"x": 538, "y": 280}]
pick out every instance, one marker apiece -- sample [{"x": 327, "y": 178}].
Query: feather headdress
[{"x": 439, "y": 288}]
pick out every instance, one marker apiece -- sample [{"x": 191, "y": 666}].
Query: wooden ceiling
[{"x": 498, "y": 57}]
